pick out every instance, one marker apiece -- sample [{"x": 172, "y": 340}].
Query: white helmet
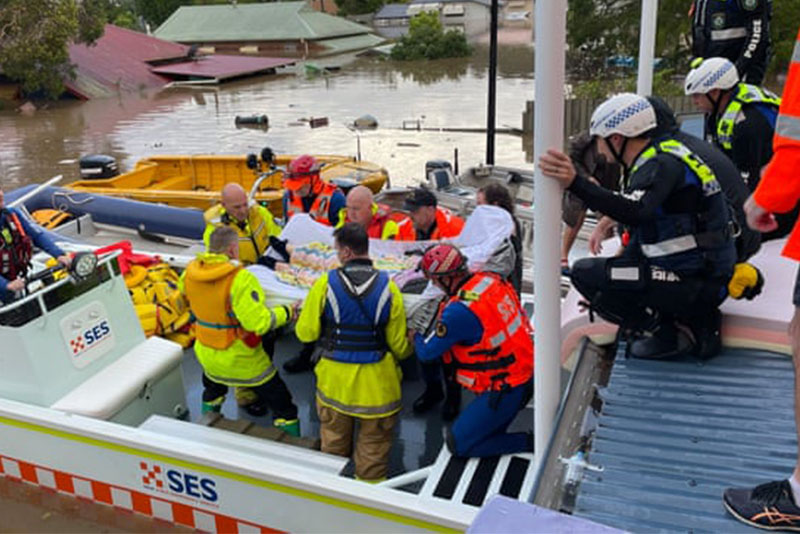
[
  {"x": 627, "y": 114},
  {"x": 711, "y": 73}
]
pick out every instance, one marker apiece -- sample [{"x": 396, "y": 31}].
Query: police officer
[
  {"x": 253, "y": 223},
  {"x": 485, "y": 333},
  {"x": 431, "y": 222},
  {"x": 734, "y": 29},
  {"x": 378, "y": 220},
  {"x": 741, "y": 120},
  {"x": 17, "y": 239},
  {"x": 227, "y": 303},
  {"x": 306, "y": 192},
  {"x": 356, "y": 312},
  {"x": 679, "y": 254}
]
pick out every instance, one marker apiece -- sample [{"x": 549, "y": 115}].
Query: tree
[
  {"x": 157, "y": 11},
  {"x": 35, "y": 35},
  {"x": 426, "y": 39},
  {"x": 358, "y": 7}
]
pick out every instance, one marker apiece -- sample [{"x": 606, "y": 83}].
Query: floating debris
[{"x": 366, "y": 122}]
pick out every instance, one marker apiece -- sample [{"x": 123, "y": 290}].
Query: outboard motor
[
  {"x": 98, "y": 166},
  {"x": 439, "y": 173}
]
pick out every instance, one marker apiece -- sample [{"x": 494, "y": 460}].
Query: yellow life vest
[
  {"x": 253, "y": 233},
  {"x": 161, "y": 308},
  {"x": 208, "y": 287}
]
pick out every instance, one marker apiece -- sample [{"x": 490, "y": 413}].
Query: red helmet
[
  {"x": 442, "y": 260},
  {"x": 304, "y": 165}
]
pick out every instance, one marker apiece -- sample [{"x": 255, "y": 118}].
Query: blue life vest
[{"x": 355, "y": 318}]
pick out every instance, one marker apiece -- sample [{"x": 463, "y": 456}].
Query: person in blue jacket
[{"x": 17, "y": 239}]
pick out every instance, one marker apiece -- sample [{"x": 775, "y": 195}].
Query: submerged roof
[
  {"x": 673, "y": 435},
  {"x": 274, "y": 21},
  {"x": 118, "y": 61},
  {"x": 220, "y": 67}
]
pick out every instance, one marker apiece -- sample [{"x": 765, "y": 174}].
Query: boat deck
[{"x": 419, "y": 438}]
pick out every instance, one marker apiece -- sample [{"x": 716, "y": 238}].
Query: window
[{"x": 453, "y": 10}]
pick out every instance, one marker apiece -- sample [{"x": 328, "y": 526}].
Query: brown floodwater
[{"x": 431, "y": 94}]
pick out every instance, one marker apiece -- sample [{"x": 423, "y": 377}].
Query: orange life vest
[
  {"x": 405, "y": 226},
  {"x": 447, "y": 225},
  {"x": 323, "y": 193},
  {"x": 504, "y": 355},
  {"x": 16, "y": 247},
  {"x": 208, "y": 289},
  {"x": 779, "y": 188}
]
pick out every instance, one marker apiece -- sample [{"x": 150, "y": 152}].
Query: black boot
[
  {"x": 432, "y": 395},
  {"x": 666, "y": 342},
  {"x": 706, "y": 331},
  {"x": 302, "y": 362},
  {"x": 452, "y": 401}
]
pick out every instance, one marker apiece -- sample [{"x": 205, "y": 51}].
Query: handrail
[
  {"x": 35, "y": 190},
  {"x": 38, "y": 295}
]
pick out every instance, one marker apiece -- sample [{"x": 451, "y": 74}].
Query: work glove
[
  {"x": 279, "y": 246},
  {"x": 746, "y": 282}
]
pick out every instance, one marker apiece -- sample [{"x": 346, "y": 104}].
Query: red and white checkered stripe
[{"x": 126, "y": 499}]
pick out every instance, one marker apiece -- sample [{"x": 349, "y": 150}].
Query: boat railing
[{"x": 40, "y": 302}]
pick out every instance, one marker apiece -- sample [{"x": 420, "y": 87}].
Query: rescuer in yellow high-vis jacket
[
  {"x": 227, "y": 305},
  {"x": 253, "y": 224},
  {"x": 356, "y": 313}
]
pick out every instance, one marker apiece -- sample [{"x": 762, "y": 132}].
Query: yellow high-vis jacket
[
  {"x": 364, "y": 390},
  {"x": 253, "y": 233},
  {"x": 239, "y": 364}
]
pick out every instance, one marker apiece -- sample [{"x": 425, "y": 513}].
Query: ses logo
[
  {"x": 179, "y": 483},
  {"x": 90, "y": 337}
]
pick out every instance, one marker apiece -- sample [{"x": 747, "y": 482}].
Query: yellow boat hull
[{"x": 195, "y": 181}]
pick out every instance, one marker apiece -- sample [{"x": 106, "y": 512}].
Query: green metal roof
[
  {"x": 347, "y": 44},
  {"x": 274, "y": 21}
]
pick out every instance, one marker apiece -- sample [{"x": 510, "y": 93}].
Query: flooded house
[
  {"x": 470, "y": 17},
  {"x": 292, "y": 29}
]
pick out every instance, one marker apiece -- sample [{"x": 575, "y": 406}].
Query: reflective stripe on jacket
[
  {"x": 779, "y": 188},
  {"x": 366, "y": 390},
  {"x": 504, "y": 355},
  {"x": 240, "y": 363},
  {"x": 253, "y": 233},
  {"x": 746, "y": 94},
  {"x": 679, "y": 232}
]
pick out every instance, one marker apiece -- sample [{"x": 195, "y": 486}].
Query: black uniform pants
[
  {"x": 638, "y": 296},
  {"x": 273, "y": 393}
]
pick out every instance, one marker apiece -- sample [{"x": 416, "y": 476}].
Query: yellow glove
[{"x": 746, "y": 282}]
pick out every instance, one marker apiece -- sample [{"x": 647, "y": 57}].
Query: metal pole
[
  {"x": 647, "y": 47},
  {"x": 548, "y": 132},
  {"x": 492, "y": 86}
]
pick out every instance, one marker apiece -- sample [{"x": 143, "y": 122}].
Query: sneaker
[{"x": 769, "y": 506}]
